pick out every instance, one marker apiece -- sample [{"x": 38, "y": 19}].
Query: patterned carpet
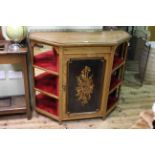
[{"x": 134, "y": 99}]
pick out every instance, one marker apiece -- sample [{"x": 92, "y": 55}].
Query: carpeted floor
[{"x": 134, "y": 99}]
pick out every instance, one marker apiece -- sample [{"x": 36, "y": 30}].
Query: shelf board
[
  {"x": 47, "y": 70},
  {"x": 18, "y": 106},
  {"x": 46, "y": 93},
  {"x": 116, "y": 86},
  {"x": 111, "y": 108},
  {"x": 47, "y": 113},
  {"x": 6, "y": 111}
]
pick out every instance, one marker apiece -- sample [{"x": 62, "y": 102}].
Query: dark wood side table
[{"x": 7, "y": 57}]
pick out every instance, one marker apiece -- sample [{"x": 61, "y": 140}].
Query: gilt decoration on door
[{"x": 85, "y": 86}]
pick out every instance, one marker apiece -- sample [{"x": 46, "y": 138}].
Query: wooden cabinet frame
[{"x": 72, "y": 46}]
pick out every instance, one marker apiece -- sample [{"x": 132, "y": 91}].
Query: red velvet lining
[
  {"x": 47, "y": 104},
  {"x": 114, "y": 82},
  {"x": 48, "y": 60},
  {"x": 111, "y": 101},
  {"x": 117, "y": 61},
  {"x": 47, "y": 82}
]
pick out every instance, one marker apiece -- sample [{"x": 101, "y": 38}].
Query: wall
[
  {"x": 152, "y": 30},
  {"x": 64, "y": 28}
]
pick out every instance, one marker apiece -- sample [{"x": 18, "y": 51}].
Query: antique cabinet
[{"x": 77, "y": 75}]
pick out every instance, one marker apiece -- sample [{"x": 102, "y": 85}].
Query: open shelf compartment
[
  {"x": 47, "y": 83},
  {"x": 47, "y": 104},
  {"x": 47, "y": 60},
  {"x": 119, "y": 58},
  {"x": 116, "y": 80},
  {"x": 111, "y": 102},
  {"x": 113, "y": 99},
  {"x": 118, "y": 62}
]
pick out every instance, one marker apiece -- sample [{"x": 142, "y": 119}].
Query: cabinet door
[{"x": 85, "y": 81}]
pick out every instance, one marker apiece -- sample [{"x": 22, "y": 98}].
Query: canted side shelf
[
  {"x": 112, "y": 101},
  {"x": 47, "y": 83},
  {"x": 118, "y": 62},
  {"x": 111, "y": 108},
  {"x": 115, "y": 83},
  {"x": 46, "y": 77},
  {"x": 47, "y": 60},
  {"x": 47, "y": 104},
  {"x": 116, "y": 77}
]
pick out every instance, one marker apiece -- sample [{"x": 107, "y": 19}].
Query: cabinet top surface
[{"x": 81, "y": 38}]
